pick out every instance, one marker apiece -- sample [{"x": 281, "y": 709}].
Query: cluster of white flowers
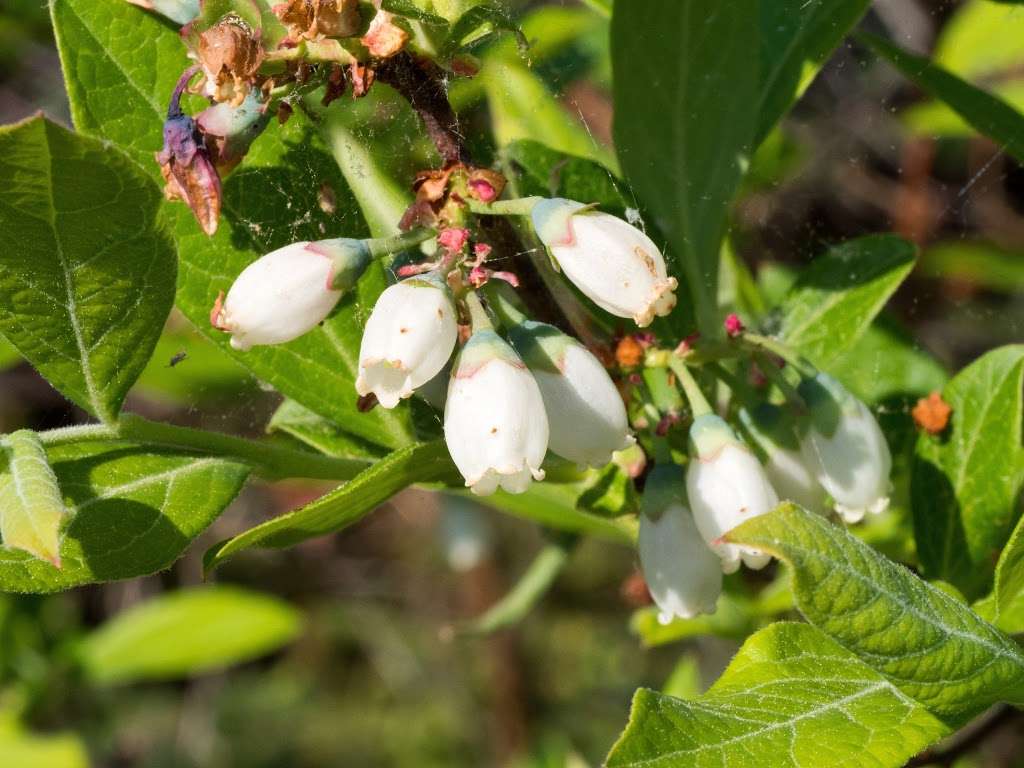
[
  {"x": 836, "y": 452},
  {"x": 508, "y": 401},
  {"x": 516, "y": 392}
]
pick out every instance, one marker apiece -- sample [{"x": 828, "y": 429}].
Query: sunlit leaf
[{"x": 187, "y": 633}]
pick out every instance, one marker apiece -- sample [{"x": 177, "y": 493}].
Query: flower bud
[
  {"x": 726, "y": 486},
  {"x": 494, "y": 420},
  {"x": 586, "y": 417},
  {"x": 178, "y": 11},
  {"x": 683, "y": 575},
  {"x": 407, "y": 340},
  {"x": 612, "y": 262},
  {"x": 772, "y": 432},
  {"x": 229, "y": 130},
  {"x": 279, "y": 297},
  {"x": 846, "y": 447}
]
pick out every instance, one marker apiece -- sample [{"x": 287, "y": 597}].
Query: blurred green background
[{"x": 360, "y": 657}]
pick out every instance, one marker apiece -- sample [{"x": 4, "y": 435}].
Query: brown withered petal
[
  {"x": 932, "y": 413},
  {"x": 420, "y": 214},
  {"x": 335, "y": 85},
  {"x": 432, "y": 185},
  {"x": 231, "y": 56},
  {"x": 384, "y": 38},
  {"x": 188, "y": 172},
  {"x": 361, "y": 77},
  {"x": 313, "y": 19}
]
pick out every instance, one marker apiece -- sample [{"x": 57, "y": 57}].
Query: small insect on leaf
[
  {"x": 177, "y": 358},
  {"x": 31, "y": 506}
]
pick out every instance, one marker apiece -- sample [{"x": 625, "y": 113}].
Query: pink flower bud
[{"x": 734, "y": 326}]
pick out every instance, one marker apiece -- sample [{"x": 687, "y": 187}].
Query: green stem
[
  {"x": 743, "y": 391},
  {"x": 478, "y": 317},
  {"x": 698, "y": 403},
  {"x": 527, "y": 592},
  {"x": 519, "y": 206},
  {"x": 776, "y": 347},
  {"x": 500, "y": 298},
  {"x": 662, "y": 451},
  {"x": 389, "y": 246},
  {"x": 778, "y": 378},
  {"x": 271, "y": 462}
]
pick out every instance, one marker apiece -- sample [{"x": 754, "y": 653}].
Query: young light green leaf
[
  {"x": 88, "y": 279},
  {"x": 965, "y": 482},
  {"x": 133, "y": 509},
  {"x": 31, "y": 508},
  {"x": 346, "y": 505},
  {"x": 20, "y": 748},
  {"x": 928, "y": 644},
  {"x": 686, "y": 85},
  {"x": 840, "y": 293},
  {"x": 187, "y": 633},
  {"x": 522, "y": 107},
  {"x": 792, "y": 696},
  {"x": 990, "y": 115}
]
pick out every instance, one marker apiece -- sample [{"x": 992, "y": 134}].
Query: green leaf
[
  {"x": 134, "y": 509},
  {"x": 120, "y": 65},
  {"x": 324, "y": 435},
  {"x": 790, "y": 697},
  {"x": 408, "y": 9},
  {"x": 965, "y": 482},
  {"x": 795, "y": 36},
  {"x": 549, "y": 173},
  {"x": 85, "y": 292},
  {"x": 346, "y": 505},
  {"x": 31, "y": 508},
  {"x": 884, "y": 362},
  {"x": 928, "y": 644},
  {"x": 187, "y": 370},
  {"x": 270, "y": 201},
  {"x": 522, "y": 107},
  {"x": 477, "y": 23},
  {"x": 1009, "y": 584},
  {"x": 558, "y": 506},
  {"x": 980, "y": 42},
  {"x": 21, "y": 749},
  {"x": 836, "y": 298},
  {"x": 979, "y": 263},
  {"x": 186, "y": 633},
  {"x": 283, "y": 173},
  {"x": 989, "y": 114},
  {"x": 8, "y": 355},
  {"x": 685, "y": 118}
]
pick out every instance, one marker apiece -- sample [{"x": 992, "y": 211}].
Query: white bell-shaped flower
[
  {"x": 612, "y": 262},
  {"x": 586, "y": 416},
  {"x": 288, "y": 292},
  {"x": 726, "y": 486},
  {"x": 683, "y": 575},
  {"x": 407, "y": 340},
  {"x": 845, "y": 445},
  {"x": 494, "y": 420},
  {"x": 772, "y": 431}
]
